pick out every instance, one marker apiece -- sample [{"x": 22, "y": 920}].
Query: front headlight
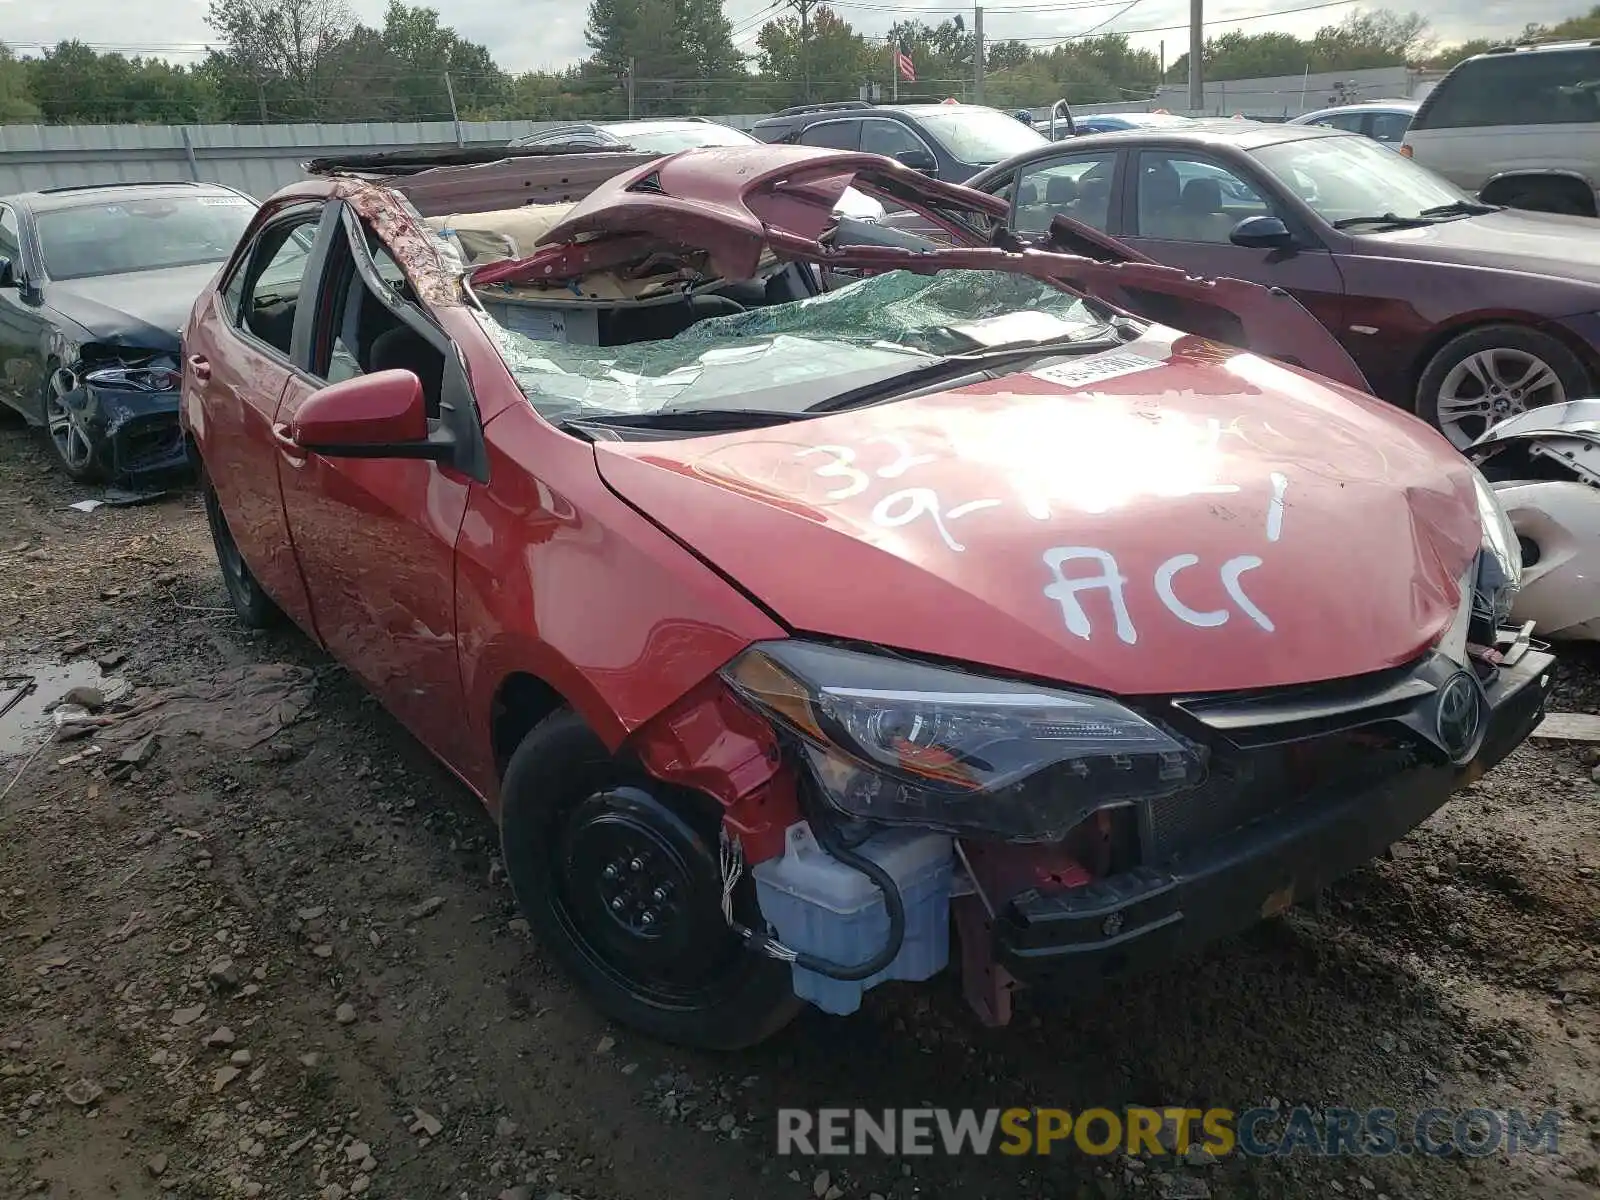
[
  {"x": 906, "y": 743},
  {"x": 1500, "y": 561},
  {"x": 156, "y": 377}
]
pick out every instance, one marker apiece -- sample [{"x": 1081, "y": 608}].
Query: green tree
[
  {"x": 1236, "y": 55},
  {"x": 836, "y": 57},
  {"x": 72, "y": 84},
  {"x": 17, "y": 106},
  {"x": 420, "y": 52},
  {"x": 1006, "y": 56},
  {"x": 1362, "y": 40},
  {"x": 679, "y": 52},
  {"x": 943, "y": 57},
  {"x": 579, "y": 93},
  {"x": 1372, "y": 39},
  {"x": 284, "y": 55}
]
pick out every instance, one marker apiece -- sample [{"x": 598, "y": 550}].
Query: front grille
[
  {"x": 146, "y": 441},
  {"x": 1248, "y": 786}
]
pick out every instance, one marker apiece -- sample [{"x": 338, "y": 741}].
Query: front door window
[{"x": 1183, "y": 198}]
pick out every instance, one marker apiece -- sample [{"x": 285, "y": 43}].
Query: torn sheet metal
[
  {"x": 430, "y": 262},
  {"x": 1544, "y": 466},
  {"x": 1566, "y": 437},
  {"x": 735, "y": 205}
]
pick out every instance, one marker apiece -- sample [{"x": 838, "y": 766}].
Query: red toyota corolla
[{"x": 793, "y": 592}]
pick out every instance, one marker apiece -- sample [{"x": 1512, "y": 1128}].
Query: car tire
[
  {"x": 617, "y": 874},
  {"x": 1480, "y": 378},
  {"x": 77, "y": 451},
  {"x": 251, "y": 604}
]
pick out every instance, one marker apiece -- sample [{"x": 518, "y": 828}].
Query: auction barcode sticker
[{"x": 1079, "y": 372}]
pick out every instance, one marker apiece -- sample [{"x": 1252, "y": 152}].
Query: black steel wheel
[
  {"x": 253, "y": 606},
  {"x": 618, "y": 875}
]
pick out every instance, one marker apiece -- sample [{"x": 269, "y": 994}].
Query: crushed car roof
[{"x": 732, "y": 205}]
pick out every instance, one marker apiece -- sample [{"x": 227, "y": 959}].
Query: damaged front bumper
[
  {"x": 134, "y": 433},
  {"x": 1074, "y": 939}
]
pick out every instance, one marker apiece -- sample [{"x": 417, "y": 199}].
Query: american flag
[{"x": 903, "y": 63}]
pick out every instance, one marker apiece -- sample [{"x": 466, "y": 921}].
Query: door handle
[
  {"x": 201, "y": 366},
  {"x": 286, "y": 442}
]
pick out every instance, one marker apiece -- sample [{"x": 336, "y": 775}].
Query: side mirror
[
  {"x": 1262, "y": 233},
  {"x": 918, "y": 160},
  {"x": 382, "y": 415},
  {"x": 8, "y": 277}
]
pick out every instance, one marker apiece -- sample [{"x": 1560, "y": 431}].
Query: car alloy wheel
[
  {"x": 68, "y": 434},
  {"x": 1485, "y": 388}
]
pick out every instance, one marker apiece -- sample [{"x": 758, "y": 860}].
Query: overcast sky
[{"x": 531, "y": 34}]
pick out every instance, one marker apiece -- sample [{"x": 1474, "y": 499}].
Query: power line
[
  {"x": 987, "y": 8},
  {"x": 756, "y": 19},
  {"x": 1113, "y": 17},
  {"x": 1056, "y": 38}
]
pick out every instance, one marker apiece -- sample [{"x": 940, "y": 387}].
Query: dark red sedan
[
  {"x": 792, "y": 596},
  {"x": 1462, "y": 312}
]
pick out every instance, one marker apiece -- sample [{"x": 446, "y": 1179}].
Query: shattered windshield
[{"x": 790, "y": 357}]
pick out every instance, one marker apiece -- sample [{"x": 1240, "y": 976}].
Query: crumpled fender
[{"x": 1565, "y": 436}]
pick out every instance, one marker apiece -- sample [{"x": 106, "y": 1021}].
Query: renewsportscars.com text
[{"x": 1254, "y": 1132}]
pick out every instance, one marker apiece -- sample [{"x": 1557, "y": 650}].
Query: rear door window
[
  {"x": 1076, "y": 186},
  {"x": 1524, "y": 88},
  {"x": 272, "y": 282},
  {"x": 1389, "y": 127},
  {"x": 1349, "y": 121}
]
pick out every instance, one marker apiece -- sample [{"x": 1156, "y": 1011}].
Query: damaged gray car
[{"x": 96, "y": 282}]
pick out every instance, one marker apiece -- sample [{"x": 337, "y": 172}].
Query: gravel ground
[{"x": 289, "y": 965}]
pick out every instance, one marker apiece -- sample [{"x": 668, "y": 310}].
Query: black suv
[{"x": 948, "y": 141}]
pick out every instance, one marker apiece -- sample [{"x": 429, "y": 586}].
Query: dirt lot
[{"x": 284, "y": 962}]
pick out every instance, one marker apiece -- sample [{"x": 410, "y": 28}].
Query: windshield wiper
[
  {"x": 1391, "y": 219},
  {"x": 692, "y": 420},
  {"x": 966, "y": 368},
  {"x": 1459, "y": 208}
]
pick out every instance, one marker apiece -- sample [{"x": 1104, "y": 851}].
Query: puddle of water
[{"x": 23, "y": 728}]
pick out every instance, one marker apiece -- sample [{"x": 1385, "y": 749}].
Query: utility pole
[
  {"x": 455, "y": 115},
  {"x": 894, "y": 66},
  {"x": 804, "y": 7},
  {"x": 977, "y": 53},
  {"x": 629, "y": 85},
  {"x": 1197, "y": 49}
]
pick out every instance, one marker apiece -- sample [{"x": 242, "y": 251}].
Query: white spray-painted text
[{"x": 1106, "y": 576}]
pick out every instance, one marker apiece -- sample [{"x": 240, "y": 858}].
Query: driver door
[
  {"x": 1183, "y": 211},
  {"x": 376, "y": 537}
]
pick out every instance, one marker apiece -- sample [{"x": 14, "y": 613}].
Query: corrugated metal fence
[
  {"x": 259, "y": 159},
  {"x": 256, "y": 159}
]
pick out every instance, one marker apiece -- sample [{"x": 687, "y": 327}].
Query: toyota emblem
[{"x": 1459, "y": 714}]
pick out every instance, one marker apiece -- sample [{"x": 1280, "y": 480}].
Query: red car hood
[{"x": 1170, "y": 517}]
